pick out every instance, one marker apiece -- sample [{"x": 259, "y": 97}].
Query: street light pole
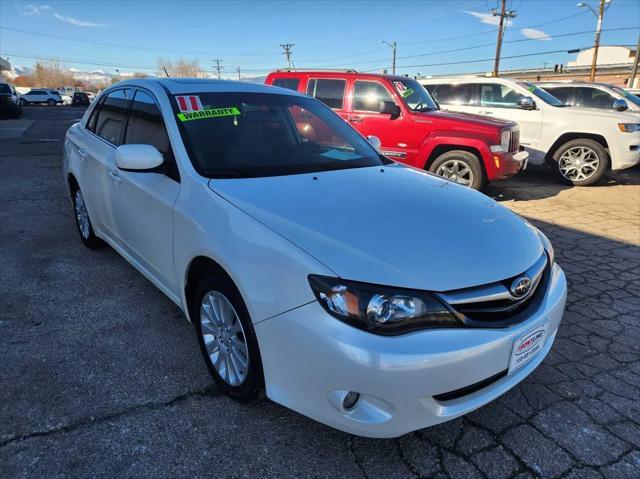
[
  {"x": 604, "y": 4},
  {"x": 394, "y": 46}
]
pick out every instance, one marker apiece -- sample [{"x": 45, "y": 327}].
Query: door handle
[
  {"x": 115, "y": 176},
  {"x": 486, "y": 113},
  {"x": 355, "y": 119},
  {"x": 82, "y": 154}
]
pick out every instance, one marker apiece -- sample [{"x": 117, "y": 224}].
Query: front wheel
[
  {"x": 581, "y": 162},
  {"x": 51, "y": 102},
  {"x": 23, "y": 102},
  {"x": 461, "y": 167},
  {"x": 227, "y": 339}
]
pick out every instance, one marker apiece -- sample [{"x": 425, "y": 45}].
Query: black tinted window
[
  {"x": 367, "y": 96},
  {"x": 112, "y": 116},
  {"x": 461, "y": 94},
  {"x": 4, "y": 88},
  {"x": 330, "y": 92},
  {"x": 592, "y": 98},
  {"x": 562, "y": 93},
  {"x": 290, "y": 83}
]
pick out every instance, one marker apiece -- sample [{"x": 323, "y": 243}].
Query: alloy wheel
[
  {"x": 82, "y": 215},
  {"x": 578, "y": 163},
  {"x": 457, "y": 171},
  {"x": 224, "y": 338}
]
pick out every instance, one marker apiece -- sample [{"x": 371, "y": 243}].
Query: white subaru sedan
[{"x": 365, "y": 294}]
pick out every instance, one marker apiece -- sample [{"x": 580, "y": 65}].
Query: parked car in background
[
  {"x": 592, "y": 95},
  {"x": 41, "y": 96},
  {"x": 9, "y": 101},
  {"x": 580, "y": 143},
  {"x": 81, "y": 98},
  {"x": 365, "y": 294},
  {"x": 66, "y": 99},
  {"x": 412, "y": 129}
]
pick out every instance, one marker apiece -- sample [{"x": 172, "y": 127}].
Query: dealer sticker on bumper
[{"x": 527, "y": 347}]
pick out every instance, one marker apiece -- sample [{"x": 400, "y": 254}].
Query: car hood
[
  {"x": 470, "y": 118},
  {"x": 395, "y": 226}
]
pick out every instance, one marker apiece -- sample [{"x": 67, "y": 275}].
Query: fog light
[
  {"x": 496, "y": 160},
  {"x": 350, "y": 400}
]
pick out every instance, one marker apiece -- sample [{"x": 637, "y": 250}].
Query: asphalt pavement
[{"x": 101, "y": 375}]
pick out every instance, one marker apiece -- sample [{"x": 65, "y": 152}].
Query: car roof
[
  {"x": 336, "y": 74},
  {"x": 177, "y": 86},
  {"x": 470, "y": 79}
]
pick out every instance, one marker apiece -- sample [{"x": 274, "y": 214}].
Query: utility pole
[
  {"x": 218, "y": 66},
  {"x": 238, "y": 72},
  {"x": 604, "y": 4},
  {"x": 287, "y": 51},
  {"x": 504, "y": 13},
  {"x": 634, "y": 69},
  {"x": 394, "y": 46}
]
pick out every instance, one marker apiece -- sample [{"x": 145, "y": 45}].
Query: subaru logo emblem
[{"x": 520, "y": 287}]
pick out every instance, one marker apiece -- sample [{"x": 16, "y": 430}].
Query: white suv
[
  {"x": 581, "y": 143},
  {"x": 592, "y": 95},
  {"x": 39, "y": 96}
]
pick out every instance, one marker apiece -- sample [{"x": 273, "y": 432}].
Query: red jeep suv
[{"x": 468, "y": 149}]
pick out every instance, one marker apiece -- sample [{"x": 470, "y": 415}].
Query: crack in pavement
[{"x": 208, "y": 391}]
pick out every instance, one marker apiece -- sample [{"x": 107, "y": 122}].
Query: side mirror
[
  {"x": 138, "y": 157},
  {"x": 620, "y": 105},
  {"x": 390, "y": 108},
  {"x": 375, "y": 142},
  {"x": 526, "y": 103}
]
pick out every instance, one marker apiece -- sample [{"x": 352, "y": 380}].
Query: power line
[{"x": 218, "y": 66}]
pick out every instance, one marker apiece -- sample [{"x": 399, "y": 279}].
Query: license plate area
[{"x": 527, "y": 346}]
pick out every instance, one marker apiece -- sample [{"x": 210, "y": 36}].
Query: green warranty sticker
[
  {"x": 208, "y": 113},
  {"x": 406, "y": 92}
]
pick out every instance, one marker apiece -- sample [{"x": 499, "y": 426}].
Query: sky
[{"x": 433, "y": 36}]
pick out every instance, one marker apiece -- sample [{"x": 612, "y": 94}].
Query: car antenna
[{"x": 165, "y": 71}]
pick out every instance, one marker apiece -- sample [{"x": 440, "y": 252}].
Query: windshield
[
  {"x": 627, "y": 95},
  {"x": 415, "y": 95},
  {"x": 243, "y": 135},
  {"x": 542, "y": 94}
]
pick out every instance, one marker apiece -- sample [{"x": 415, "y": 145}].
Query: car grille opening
[
  {"x": 493, "y": 305},
  {"x": 458, "y": 393}
]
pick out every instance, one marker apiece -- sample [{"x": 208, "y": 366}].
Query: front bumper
[
  {"x": 509, "y": 164},
  {"x": 311, "y": 360},
  {"x": 625, "y": 151}
]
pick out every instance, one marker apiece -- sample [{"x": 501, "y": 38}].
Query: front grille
[
  {"x": 514, "y": 141},
  {"x": 493, "y": 305},
  {"x": 458, "y": 393}
]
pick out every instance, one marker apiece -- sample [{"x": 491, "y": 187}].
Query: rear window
[
  {"x": 329, "y": 92},
  {"x": 455, "y": 94},
  {"x": 112, "y": 116},
  {"x": 289, "y": 83}
]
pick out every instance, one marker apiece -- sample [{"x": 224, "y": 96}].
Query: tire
[
  {"x": 461, "y": 167},
  {"x": 215, "y": 291},
  {"x": 23, "y": 102},
  {"x": 580, "y": 162},
  {"x": 83, "y": 222},
  {"x": 51, "y": 102}
]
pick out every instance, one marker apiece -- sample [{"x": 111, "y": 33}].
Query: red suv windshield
[{"x": 415, "y": 96}]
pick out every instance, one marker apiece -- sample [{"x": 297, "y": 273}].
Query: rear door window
[
  {"x": 328, "y": 91},
  {"x": 289, "y": 83},
  {"x": 461, "y": 94},
  {"x": 564, "y": 94},
  {"x": 113, "y": 115},
  {"x": 367, "y": 96}
]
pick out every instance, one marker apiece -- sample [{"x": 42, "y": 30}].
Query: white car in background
[
  {"x": 41, "y": 96},
  {"x": 580, "y": 143},
  {"x": 593, "y": 95},
  {"x": 305, "y": 258}
]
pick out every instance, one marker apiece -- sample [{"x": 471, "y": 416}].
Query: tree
[
  {"x": 51, "y": 74},
  {"x": 179, "y": 68},
  {"x": 25, "y": 80}
]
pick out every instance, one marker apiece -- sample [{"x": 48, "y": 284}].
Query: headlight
[
  {"x": 381, "y": 309},
  {"x": 629, "y": 127},
  {"x": 505, "y": 138}
]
